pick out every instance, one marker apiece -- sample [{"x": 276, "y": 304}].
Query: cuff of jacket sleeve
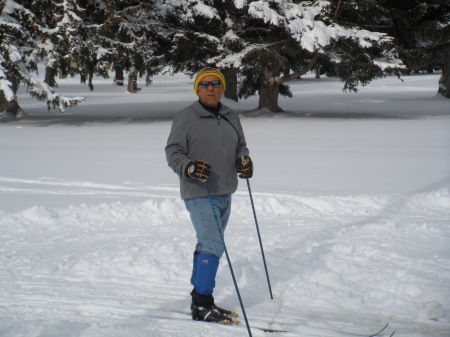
[{"x": 184, "y": 171}]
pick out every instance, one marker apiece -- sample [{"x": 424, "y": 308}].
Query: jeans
[{"x": 208, "y": 237}]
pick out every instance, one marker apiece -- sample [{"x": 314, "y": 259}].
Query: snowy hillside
[{"x": 351, "y": 193}]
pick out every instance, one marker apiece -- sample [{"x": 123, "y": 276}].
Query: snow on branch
[
  {"x": 5, "y": 86},
  {"x": 261, "y": 10},
  {"x": 235, "y": 60},
  {"x": 389, "y": 60},
  {"x": 306, "y": 23},
  {"x": 43, "y": 91},
  {"x": 55, "y": 100},
  {"x": 206, "y": 11},
  {"x": 240, "y": 3}
]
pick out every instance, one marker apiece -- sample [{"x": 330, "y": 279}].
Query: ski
[
  {"x": 362, "y": 335},
  {"x": 233, "y": 320},
  {"x": 374, "y": 334},
  {"x": 267, "y": 329},
  {"x": 280, "y": 330},
  {"x": 379, "y": 332},
  {"x": 238, "y": 323}
]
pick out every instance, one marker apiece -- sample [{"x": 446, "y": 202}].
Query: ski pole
[
  {"x": 259, "y": 237},
  {"x": 228, "y": 258}
]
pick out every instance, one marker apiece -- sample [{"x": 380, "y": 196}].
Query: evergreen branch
[{"x": 297, "y": 74}]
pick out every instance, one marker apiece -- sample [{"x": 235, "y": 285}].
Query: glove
[
  {"x": 198, "y": 170},
  {"x": 244, "y": 166}
]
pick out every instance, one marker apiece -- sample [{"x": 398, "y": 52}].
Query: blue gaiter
[
  {"x": 194, "y": 268},
  {"x": 205, "y": 278}
]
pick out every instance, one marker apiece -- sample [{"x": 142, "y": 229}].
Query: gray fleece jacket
[{"x": 197, "y": 134}]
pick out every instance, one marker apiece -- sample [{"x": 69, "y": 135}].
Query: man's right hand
[{"x": 198, "y": 170}]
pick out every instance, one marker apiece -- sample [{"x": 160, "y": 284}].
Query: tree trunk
[
  {"x": 118, "y": 80},
  {"x": 232, "y": 83},
  {"x": 270, "y": 82},
  {"x": 444, "y": 81},
  {"x": 268, "y": 96},
  {"x": 270, "y": 85},
  {"x": 317, "y": 71},
  {"x": 50, "y": 75},
  {"x": 10, "y": 108},
  {"x": 132, "y": 82},
  {"x": 90, "y": 83}
]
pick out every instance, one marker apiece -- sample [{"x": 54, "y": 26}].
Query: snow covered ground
[{"x": 351, "y": 193}]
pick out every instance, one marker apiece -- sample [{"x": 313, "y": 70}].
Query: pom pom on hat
[{"x": 209, "y": 72}]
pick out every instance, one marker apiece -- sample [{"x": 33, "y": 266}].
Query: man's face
[{"x": 210, "y": 96}]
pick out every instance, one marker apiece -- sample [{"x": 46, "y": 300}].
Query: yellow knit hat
[{"x": 209, "y": 72}]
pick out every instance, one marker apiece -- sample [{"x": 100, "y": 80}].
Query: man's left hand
[{"x": 244, "y": 166}]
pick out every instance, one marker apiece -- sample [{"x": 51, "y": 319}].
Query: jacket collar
[{"x": 202, "y": 112}]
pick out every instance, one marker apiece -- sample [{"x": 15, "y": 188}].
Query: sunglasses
[{"x": 205, "y": 84}]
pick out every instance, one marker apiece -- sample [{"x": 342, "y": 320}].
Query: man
[{"x": 206, "y": 143}]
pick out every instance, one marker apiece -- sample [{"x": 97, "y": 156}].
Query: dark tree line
[{"x": 260, "y": 45}]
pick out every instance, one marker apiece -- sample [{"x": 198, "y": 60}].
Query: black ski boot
[
  {"x": 210, "y": 315},
  {"x": 226, "y": 312},
  {"x": 204, "y": 309}
]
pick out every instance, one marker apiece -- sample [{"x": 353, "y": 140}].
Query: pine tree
[
  {"x": 444, "y": 81},
  {"x": 193, "y": 34},
  {"x": 74, "y": 38},
  {"x": 30, "y": 30},
  {"x": 115, "y": 33},
  {"x": 121, "y": 33},
  {"x": 420, "y": 28},
  {"x": 197, "y": 33},
  {"x": 269, "y": 43},
  {"x": 282, "y": 40}
]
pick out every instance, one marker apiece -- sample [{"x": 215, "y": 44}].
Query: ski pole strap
[{"x": 225, "y": 118}]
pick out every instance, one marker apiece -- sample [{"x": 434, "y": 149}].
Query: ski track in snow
[{"x": 102, "y": 269}]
